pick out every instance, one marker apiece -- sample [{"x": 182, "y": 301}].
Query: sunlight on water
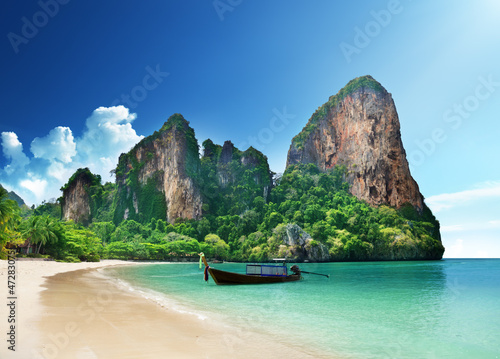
[{"x": 443, "y": 309}]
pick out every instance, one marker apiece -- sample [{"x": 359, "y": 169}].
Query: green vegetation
[
  {"x": 230, "y": 188},
  {"x": 318, "y": 202},
  {"x": 9, "y": 221},
  {"x": 99, "y": 195},
  {"x": 245, "y": 216},
  {"x": 333, "y": 101},
  {"x": 89, "y": 177},
  {"x": 146, "y": 200},
  {"x": 41, "y": 230}
]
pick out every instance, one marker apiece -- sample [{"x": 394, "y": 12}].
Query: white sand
[
  {"x": 30, "y": 275},
  {"x": 69, "y": 310}
]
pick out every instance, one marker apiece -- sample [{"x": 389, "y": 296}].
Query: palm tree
[
  {"x": 9, "y": 216},
  {"x": 41, "y": 230},
  {"x": 30, "y": 231}
]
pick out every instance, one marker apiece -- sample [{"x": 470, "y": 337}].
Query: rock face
[
  {"x": 299, "y": 246},
  {"x": 76, "y": 199},
  {"x": 157, "y": 175},
  {"x": 359, "y": 128},
  {"x": 249, "y": 160},
  {"x": 231, "y": 174},
  {"x": 163, "y": 176}
]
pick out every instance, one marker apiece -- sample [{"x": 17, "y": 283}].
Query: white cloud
[
  {"x": 13, "y": 151},
  {"x": 109, "y": 133},
  {"x": 36, "y": 186},
  {"x": 59, "y": 154},
  {"x": 470, "y": 226},
  {"x": 59, "y": 145},
  {"x": 61, "y": 171},
  {"x": 445, "y": 201}
]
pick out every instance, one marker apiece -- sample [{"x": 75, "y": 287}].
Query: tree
[
  {"x": 42, "y": 230},
  {"x": 219, "y": 247},
  {"x": 103, "y": 230},
  {"x": 9, "y": 218}
]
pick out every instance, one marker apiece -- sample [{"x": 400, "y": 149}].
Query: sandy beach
[{"x": 71, "y": 310}]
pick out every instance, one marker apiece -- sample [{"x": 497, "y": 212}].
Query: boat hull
[{"x": 221, "y": 277}]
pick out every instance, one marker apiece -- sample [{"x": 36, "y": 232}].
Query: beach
[{"x": 72, "y": 310}]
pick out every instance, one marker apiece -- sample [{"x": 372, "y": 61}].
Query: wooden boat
[{"x": 256, "y": 274}]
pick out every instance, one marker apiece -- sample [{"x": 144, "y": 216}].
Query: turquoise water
[{"x": 429, "y": 309}]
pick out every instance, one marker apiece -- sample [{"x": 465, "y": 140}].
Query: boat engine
[{"x": 295, "y": 269}]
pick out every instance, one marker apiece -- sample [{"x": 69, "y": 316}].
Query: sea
[{"x": 416, "y": 309}]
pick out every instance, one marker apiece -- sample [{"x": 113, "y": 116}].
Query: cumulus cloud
[
  {"x": 13, "y": 151},
  {"x": 56, "y": 156},
  {"x": 59, "y": 145},
  {"x": 108, "y": 133},
  {"x": 36, "y": 186}
]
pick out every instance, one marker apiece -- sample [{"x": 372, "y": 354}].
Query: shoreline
[
  {"x": 30, "y": 276},
  {"x": 72, "y": 310}
]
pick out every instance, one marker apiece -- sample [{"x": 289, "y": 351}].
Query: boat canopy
[{"x": 266, "y": 270}]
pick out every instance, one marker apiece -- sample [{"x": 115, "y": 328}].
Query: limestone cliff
[
  {"x": 359, "y": 128},
  {"x": 232, "y": 179},
  {"x": 77, "y": 203},
  {"x": 156, "y": 178},
  {"x": 250, "y": 159}
]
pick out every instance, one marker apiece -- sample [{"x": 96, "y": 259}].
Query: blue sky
[{"x": 82, "y": 82}]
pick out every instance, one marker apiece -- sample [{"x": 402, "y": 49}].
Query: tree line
[{"x": 318, "y": 202}]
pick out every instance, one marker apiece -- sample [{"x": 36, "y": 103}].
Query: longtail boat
[{"x": 255, "y": 274}]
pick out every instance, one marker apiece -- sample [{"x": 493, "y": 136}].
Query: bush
[
  {"x": 93, "y": 258},
  {"x": 71, "y": 259}
]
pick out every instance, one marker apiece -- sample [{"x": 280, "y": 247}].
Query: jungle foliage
[{"x": 240, "y": 225}]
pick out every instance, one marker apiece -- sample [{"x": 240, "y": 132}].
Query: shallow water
[{"x": 429, "y": 309}]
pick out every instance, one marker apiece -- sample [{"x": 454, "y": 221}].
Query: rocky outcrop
[
  {"x": 76, "y": 201},
  {"x": 226, "y": 155},
  {"x": 232, "y": 166},
  {"x": 225, "y": 173},
  {"x": 297, "y": 245},
  {"x": 359, "y": 128},
  {"x": 156, "y": 178},
  {"x": 163, "y": 176}
]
